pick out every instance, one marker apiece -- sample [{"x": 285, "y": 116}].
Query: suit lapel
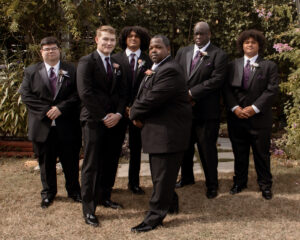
[
  {"x": 238, "y": 72},
  {"x": 44, "y": 76},
  {"x": 60, "y": 80},
  {"x": 100, "y": 64},
  {"x": 114, "y": 80},
  {"x": 189, "y": 57},
  {"x": 253, "y": 71}
]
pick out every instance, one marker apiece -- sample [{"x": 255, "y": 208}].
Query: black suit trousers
[
  {"x": 67, "y": 149},
  {"x": 205, "y": 134},
  {"x": 242, "y": 137},
  {"x": 135, "y": 146},
  {"x": 164, "y": 171},
  {"x": 102, "y": 148}
]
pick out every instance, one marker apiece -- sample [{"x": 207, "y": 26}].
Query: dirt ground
[{"x": 243, "y": 216}]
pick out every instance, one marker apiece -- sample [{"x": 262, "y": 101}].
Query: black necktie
[
  {"x": 53, "y": 80},
  {"x": 108, "y": 69},
  {"x": 132, "y": 64},
  {"x": 247, "y": 71}
]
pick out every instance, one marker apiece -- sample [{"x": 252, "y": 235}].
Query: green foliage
[
  {"x": 24, "y": 23},
  {"x": 290, "y": 141},
  {"x": 13, "y": 112}
]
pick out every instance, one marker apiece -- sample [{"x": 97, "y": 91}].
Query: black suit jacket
[
  {"x": 99, "y": 96},
  {"x": 36, "y": 94},
  {"x": 162, "y": 105},
  {"x": 133, "y": 86},
  {"x": 206, "y": 80},
  {"x": 262, "y": 90}
]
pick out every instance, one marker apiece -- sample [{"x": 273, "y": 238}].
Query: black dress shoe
[
  {"x": 76, "y": 198},
  {"x": 46, "y": 202},
  {"x": 267, "y": 193},
  {"x": 136, "y": 190},
  {"x": 211, "y": 193},
  {"x": 181, "y": 183},
  {"x": 144, "y": 227},
  {"x": 91, "y": 219},
  {"x": 110, "y": 204},
  {"x": 237, "y": 188}
]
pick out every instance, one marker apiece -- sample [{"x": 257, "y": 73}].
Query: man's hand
[
  {"x": 111, "y": 120},
  {"x": 249, "y": 111},
  {"x": 192, "y": 102},
  {"x": 53, "y": 113},
  {"x": 240, "y": 113},
  {"x": 137, "y": 123},
  {"x": 127, "y": 112}
]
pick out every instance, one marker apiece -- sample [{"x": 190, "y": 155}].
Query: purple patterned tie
[
  {"x": 53, "y": 80},
  {"x": 132, "y": 64},
  {"x": 247, "y": 71},
  {"x": 108, "y": 69},
  {"x": 195, "y": 60}
]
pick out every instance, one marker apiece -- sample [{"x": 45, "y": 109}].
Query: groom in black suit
[
  {"x": 250, "y": 91},
  {"x": 204, "y": 66},
  {"x": 134, "y": 40},
  {"x": 163, "y": 112},
  {"x": 102, "y": 90},
  {"x": 49, "y": 92}
]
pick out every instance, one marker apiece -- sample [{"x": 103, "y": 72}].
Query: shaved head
[{"x": 201, "y": 34}]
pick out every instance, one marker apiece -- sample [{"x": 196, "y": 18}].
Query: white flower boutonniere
[
  {"x": 203, "y": 54},
  {"x": 254, "y": 65},
  {"x": 117, "y": 70},
  {"x": 141, "y": 63},
  {"x": 62, "y": 74}
]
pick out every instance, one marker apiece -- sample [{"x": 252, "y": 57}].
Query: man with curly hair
[
  {"x": 250, "y": 90},
  {"x": 134, "y": 40}
]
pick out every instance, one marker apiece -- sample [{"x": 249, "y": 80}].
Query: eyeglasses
[{"x": 50, "y": 49}]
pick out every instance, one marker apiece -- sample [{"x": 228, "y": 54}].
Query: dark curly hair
[
  {"x": 252, "y": 33},
  {"x": 140, "y": 31}
]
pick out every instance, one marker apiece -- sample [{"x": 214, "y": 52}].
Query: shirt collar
[
  {"x": 203, "y": 49},
  {"x": 55, "y": 67},
  {"x": 252, "y": 60},
  {"x": 155, "y": 65},
  {"x": 103, "y": 56},
  {"x": 137, "y": 52}
]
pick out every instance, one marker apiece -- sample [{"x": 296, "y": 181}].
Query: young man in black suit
[
  {"x": 134, "y": 40},
  {"x": 163, "y": 111},
  {"x": 102, "y": 90},
  {"x": 204, "y": 66},
  {"x": 250, "y": 91},
  {"x": 49, "y": 92}
]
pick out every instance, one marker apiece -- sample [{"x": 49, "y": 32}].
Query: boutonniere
[
  {"x": 62, "y": 74},
  {"x": 117, "y": 70},
  {"x": 203, "y": 54},
  {"x": 254, "y": 65},
  {"x": 141, "y": 63},
  {"x": 149, "y": 72}
]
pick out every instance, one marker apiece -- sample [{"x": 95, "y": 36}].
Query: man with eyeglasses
[{"x": 50, "y": 95}]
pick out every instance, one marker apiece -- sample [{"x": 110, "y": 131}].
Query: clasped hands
[
  {"x": 53, "y": 113},
  {"x": 111, "y": 120},
  {"x": 244, "y": 113}
]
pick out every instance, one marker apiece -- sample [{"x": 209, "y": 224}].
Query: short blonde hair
[{"x": 105, "y": 28}]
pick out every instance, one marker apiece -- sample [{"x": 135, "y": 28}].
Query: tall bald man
[{"x": 204, "y": 67}]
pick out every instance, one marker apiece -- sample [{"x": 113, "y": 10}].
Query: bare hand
[
  {"x": 137, "y": 123},
  {"x": 240, "y": 113},
  {"x": 112, "y": 120},
  {"x": 53, "y": 113},
  {"x": 127, "y": 112},
  {"x": 249, "y": 111},
  {"x": 192, "y": 102}
]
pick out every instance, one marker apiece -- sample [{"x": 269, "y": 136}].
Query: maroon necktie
[
  {"x": 108, "y": 69},
  {"x": 53, "y": 80},
  {"x": 132, "y": 64},
  {"x": 246, "y": 76},
  {"x": 195, "y": 60}
]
